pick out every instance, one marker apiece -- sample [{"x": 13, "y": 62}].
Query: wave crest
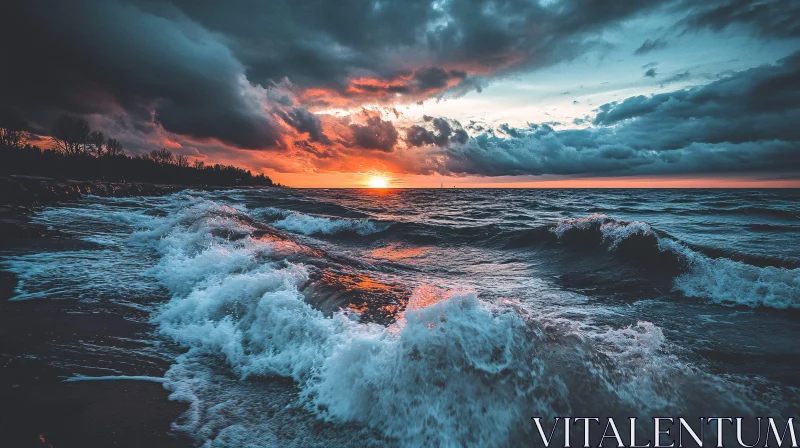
[
  {"x": 454, "y": 370},
  {"x": 722, "y": 280},
  {"x": 316, "y": 225},
  {"x": 613, "y": 231}
]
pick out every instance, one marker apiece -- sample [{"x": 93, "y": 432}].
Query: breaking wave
[
  {"x": 453, "y": 370},
  {"x": 319, "y": 225},
  {"x": 722, "y": 280}
]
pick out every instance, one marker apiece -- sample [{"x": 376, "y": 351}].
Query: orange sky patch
[{"x": 358, "y": 180}]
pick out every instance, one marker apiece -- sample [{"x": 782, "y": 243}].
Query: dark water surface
[{"x": 433, "y": 317}]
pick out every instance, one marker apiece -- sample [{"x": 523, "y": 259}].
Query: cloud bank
[
  {"x": 746, "y": 122},
  {"x": 257, "y": 75}
]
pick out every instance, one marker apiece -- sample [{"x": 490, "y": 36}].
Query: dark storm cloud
[
  {"x": 650, "y": 73},
  {"x": 436, "y": 78},
  {"x": 743, "y": 123},
  {"x": 770, "y": 18},
  {"x": 375, "y": 134},
  {"x": 512, "y": 132},
  {"x": 443, "y": 132},
  {"x": 650, "y": 45},
  {"x": 212, "y": 70},
  {"x": 194, "y": 63},
  {"x": 757, "y": 104},
  {"x": 99, "y": 57},
  {"x": 304, "y": 121}
]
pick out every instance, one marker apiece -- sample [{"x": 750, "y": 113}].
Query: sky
[{"x": 421, "y": 93}]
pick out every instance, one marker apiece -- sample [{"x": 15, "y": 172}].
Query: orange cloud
[
  {"x": 167, "y": 143},
  {"x": 405, "y": 86}
]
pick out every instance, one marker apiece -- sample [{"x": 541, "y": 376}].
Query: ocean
[{"x": 430, "y": 317}]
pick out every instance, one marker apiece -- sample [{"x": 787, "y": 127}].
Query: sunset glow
[
  {"x": 395, "y": 223},
  {"x": 591, "y": 99},
  {"x": 378, "y": 182}
]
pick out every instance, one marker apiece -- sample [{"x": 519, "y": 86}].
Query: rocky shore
[
  {"x": 20, "y": 195},
  {"x": 32, "y": 191}
]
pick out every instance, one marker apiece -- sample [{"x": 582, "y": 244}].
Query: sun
[{"x": 378, "y": 182}]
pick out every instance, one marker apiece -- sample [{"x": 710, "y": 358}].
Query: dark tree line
[
  {"x": 82, "y": 154},
  {"x": 72, "y": 136}
]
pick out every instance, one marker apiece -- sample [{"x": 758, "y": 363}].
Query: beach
[{"x": 283, "y": 317}]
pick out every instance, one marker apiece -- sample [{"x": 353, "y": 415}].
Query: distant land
[{"x": 78, "y": 153}]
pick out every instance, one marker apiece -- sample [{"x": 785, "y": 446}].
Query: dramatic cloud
[
  {"x": 375, "y": 134},
  {"x": 109, "y": 57},
  {"x": 771, "y": 18},
  {"x": 435, "y": 78},
  {"x": 444, "y": 131},
  {"x": 743, "y": 123},
  {"x": 273, "y": 75},
  {"x": 305, "y": 122},
  {"x": 650, "y": 45}
]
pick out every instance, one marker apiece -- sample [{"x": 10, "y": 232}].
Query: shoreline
[
  {"x": 23, "y": 190},
  {"x": 21, "y": 195},
  {"x": 35, "y": 401}
]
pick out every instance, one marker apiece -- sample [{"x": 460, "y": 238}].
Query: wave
[
  {"x": 410, "y": 231},
  {"x": 306, "y": 224},
  {"x": 80, "y": 269},
  {"x": 271, "y": 213},
  {"x": 722, "y": 280},
  {"x": 454, "y": 370},
  {"x": 611, "y": 230},
  {"x": 320, "y": 225}
]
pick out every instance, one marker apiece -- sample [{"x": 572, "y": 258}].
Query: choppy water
[{"x": 443, "y": 317}]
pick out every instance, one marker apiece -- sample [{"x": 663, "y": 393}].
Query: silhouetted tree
[
  {"x": 13, "y": 137},
  {"x": 181, "y": 161},
  {"x": 97, "y": 142},
  {"x": 83, "y": 154},
  {"x": 113, "y": 147},
  {"x": 162, "y": 156},
  {"x": 12, "y": 131},
  {"x": 70, "y": 134}
]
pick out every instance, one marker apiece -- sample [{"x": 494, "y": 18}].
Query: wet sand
[
  {"x": 89, "y": 414},
  {"x": 40, "y": 346}
]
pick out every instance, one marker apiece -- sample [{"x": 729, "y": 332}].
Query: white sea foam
[
  {"x": 84, "y": 273},
  {"x": 253, "y": 316},
  {"x": 315, "y": 225},
  {"x": 449, "y": 344},
  {"x": 152, "y": 379},
  {"x": 453, "y": 371},
  {"x": 271, "y": 212},
  {"x": 721, "y": 280},
  {"x": 613, "y": 231},
  {"x": 730, "y": 282}
]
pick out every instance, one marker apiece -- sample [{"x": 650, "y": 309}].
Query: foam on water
[
  {"x": 612, "y": 231},
  {"x": 84, "y": 273},
  {"x": 264, "y": 367},
  {"x": 250, "y": 312},
  {"x": 319, "y": 225},
  {"x": 731, "y": 282},
  {"x": 454, "y": 370},
  {"x": 721, "y": 280},
  {"x": 272, "y": 213},
  {"x": 151, "y": 379}
]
